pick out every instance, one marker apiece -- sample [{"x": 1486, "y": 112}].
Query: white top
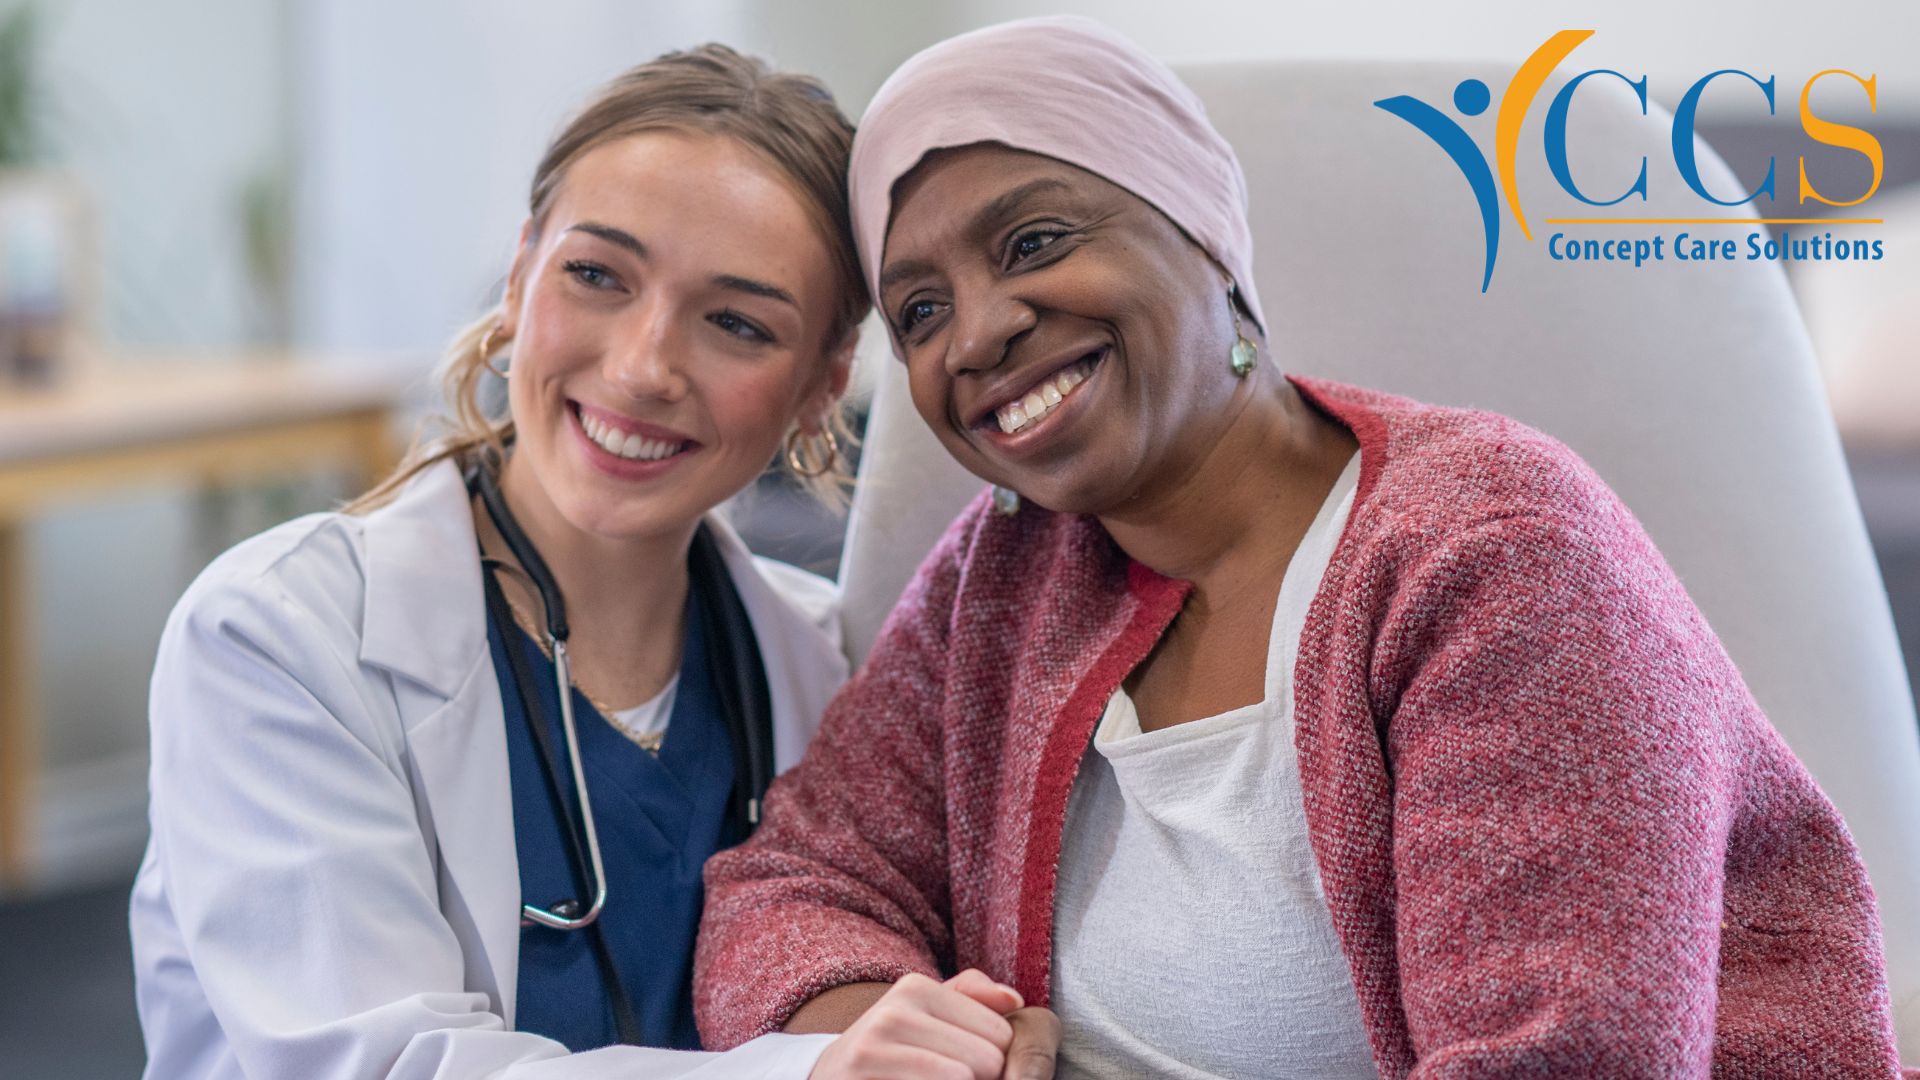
[
  {"x": 1191, "y": 934},
  {"x": 646, "y": 723},
  {"x": 331, "y": 891}
]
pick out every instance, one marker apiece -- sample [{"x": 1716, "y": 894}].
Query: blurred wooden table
[{"x": 151, "y": 420}]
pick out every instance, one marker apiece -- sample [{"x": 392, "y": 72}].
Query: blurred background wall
[
  {"x": 164, "y": 115},
  {"x": 348, "y": 176}
]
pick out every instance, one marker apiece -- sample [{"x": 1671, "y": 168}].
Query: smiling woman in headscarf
[{"x": 1283, "y": 727}]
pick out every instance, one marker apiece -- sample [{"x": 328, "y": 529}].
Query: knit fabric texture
[{"x": 1558, "y": 837}]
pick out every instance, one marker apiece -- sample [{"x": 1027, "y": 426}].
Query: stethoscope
[
  {"x": 483, "y": 481},
  {"x": 740, "y": 678}
]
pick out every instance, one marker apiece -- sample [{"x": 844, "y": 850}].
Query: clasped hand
[{"x": 967, "y": 1028}]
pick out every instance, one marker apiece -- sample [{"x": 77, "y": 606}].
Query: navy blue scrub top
[{"x": 659, "y": 818}]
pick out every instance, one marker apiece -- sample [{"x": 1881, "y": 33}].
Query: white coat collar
[{"x": 425, "y": 610}]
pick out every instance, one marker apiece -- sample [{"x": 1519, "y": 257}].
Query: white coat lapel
[
  {"x": 426, "y": 624},
  {"x": 426, "y": 616}
]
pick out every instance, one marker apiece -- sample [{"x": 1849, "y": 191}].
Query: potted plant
[{"x": 42, "y": 220}]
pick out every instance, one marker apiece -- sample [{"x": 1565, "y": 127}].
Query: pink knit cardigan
[{"x": 1557, "y": 835}]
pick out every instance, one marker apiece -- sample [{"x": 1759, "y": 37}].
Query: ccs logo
[{"x": 1472, "y": 98}]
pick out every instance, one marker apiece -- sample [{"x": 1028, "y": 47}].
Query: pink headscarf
[{"x": 1073, "y": 90}]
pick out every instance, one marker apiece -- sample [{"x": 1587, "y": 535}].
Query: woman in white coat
[{"x": 386, "y": 842}]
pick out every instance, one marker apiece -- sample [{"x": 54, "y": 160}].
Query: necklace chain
[{"x": 648, "y": 741}]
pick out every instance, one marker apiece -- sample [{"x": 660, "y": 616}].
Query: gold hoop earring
[
  {"x": 822, "y": 461},
  {"x": 1244, "y": 355},
  {"x": 486, "y": 352}
]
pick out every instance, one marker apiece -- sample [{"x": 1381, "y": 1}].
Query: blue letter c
[
  {"x": 1683, "y": 138},
  {"x": 1556, "y": 137}
]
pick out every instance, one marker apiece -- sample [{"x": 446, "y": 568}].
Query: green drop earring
[{"x": 1244, "y": 355}]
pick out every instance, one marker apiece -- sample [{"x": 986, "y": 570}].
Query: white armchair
[{"x": 1690, "y": 387}]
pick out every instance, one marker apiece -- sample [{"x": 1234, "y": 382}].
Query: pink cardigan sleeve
[
  {"x": 847, "y": 879},
  {"x": 1604, "y": 857}
]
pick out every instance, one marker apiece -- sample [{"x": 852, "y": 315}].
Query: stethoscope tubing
[
  {"x": 553, "y": 606},
  {"x": 563, "y": 676}
]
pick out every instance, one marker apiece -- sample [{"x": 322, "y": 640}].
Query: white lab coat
[{"x": 331, "y": 890}]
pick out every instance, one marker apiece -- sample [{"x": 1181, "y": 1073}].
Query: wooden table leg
[{"x": 19, "y": 699}]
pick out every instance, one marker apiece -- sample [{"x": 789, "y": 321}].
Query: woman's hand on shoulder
[{"x": 967, "y": 1028}]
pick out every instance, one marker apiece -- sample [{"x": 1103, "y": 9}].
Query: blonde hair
[{"x": 790, "y": 120}]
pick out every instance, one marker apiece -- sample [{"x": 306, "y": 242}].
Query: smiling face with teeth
[
  {"x": 669, "y": 319},
  {"x": 1062, "y": 337}
]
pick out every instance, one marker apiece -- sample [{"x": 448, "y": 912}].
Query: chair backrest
[{"x": 1689, "y": 386}]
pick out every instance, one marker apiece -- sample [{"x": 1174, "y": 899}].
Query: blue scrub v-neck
[{"x": 659, "y": 819}]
